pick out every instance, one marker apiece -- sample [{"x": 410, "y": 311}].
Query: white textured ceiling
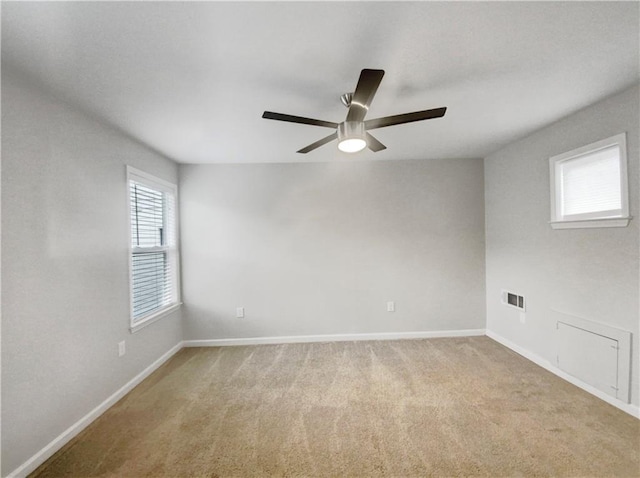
[{"x": 191, "y": 80}]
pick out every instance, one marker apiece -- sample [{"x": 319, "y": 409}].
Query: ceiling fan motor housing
[{"x": 352, "y": 132}]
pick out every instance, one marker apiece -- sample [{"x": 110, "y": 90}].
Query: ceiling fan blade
[
  {"x": 363, "y": 96},
  {"x": 404, "y": 118},
  {"x": 298, "y": 119},
  {"x": 318, "y": 143},
  {"x": 374, "y": 145}
]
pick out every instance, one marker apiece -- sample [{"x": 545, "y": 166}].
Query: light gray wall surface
[
  {"x": 589, "y": 273},
  {"x": 65, "y": 296},
  {"x": 319, "y": 248}
]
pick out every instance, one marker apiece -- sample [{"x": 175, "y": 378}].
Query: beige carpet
[{"x": 437, "y": 407}]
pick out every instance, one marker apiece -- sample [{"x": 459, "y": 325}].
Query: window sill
[
  {"x": 589, "y": 223},
  {"x": 153, "y": 318}
]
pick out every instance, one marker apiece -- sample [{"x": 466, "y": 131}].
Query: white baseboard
[
  {"x": 333, "y": 338},
  {"x": 43, "y": 455},
  {"x": 625, "y": 407}
]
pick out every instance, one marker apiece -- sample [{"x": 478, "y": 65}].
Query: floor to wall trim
[
  {"x": 293, "y": 339},
  {"x": 625, "y": 407},
  {"x": 56, "y": 444}
]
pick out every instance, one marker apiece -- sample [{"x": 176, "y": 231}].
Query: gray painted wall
[
  {"x": 319, "y": 248},
  {"x": 65, "y": 297},
  {"x": 589, "y": 273}
]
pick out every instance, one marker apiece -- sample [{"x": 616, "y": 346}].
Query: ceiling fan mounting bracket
[{"x": 346, "y": 99}]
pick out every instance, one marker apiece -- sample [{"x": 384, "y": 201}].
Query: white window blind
[
  {"x": 591, "y": 183},
  {"x": 154, "y": 275}
]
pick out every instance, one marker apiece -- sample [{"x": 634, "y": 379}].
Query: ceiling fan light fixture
[
  {"x": 351, "y": 136},
  {"x": 352, "y": 145}
]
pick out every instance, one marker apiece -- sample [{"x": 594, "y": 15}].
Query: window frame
[
  {"x": 173, "y": 251},
  {"x": 590, "y": 219}
]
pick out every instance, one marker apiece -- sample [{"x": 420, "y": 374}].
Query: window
[
  {"x": 589, "y": 186},
  {"x": 154, "y": 254}
]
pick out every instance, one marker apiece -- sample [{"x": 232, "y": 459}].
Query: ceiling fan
[{"x": 353, "y": 133}]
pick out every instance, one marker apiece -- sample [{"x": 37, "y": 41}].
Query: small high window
[
  {"x": 589, "y": 186},
  {"x": 154, "y": 256}
]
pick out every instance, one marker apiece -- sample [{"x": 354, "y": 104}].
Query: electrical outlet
[
  {"x": 391, "y": 306},
  {"x": 239, "y": 312},
  {"x": 121, "y": 348}
]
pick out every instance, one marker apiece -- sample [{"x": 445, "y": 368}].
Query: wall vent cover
[{"x": 512, "y": 299}]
